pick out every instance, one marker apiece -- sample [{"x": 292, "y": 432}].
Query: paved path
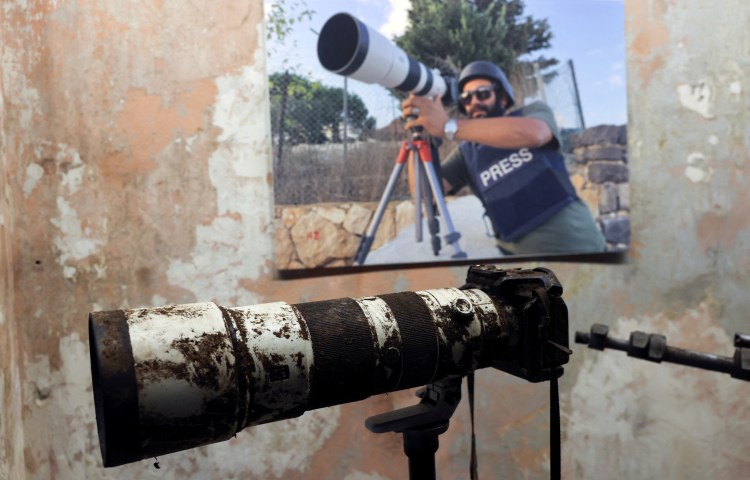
[{"x": 466, "y": 213}]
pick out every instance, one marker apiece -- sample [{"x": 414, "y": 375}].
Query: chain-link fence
[
  {"x": 558, "y": 88},
  {"x": 337, "y": 140}
]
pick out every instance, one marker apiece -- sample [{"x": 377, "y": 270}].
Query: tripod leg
[
  {"x": 433, "y": 226},
  {"x": 452, "y": 236},
  {"x": 420, "y": 447},
  {"x": 419, "y": 193},
  {"x": 366, "y": 242}
]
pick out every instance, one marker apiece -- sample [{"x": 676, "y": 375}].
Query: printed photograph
[{"x": 409, "y": 132}]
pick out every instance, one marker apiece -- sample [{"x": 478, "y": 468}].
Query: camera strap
[
  {"x": 543, "y": 332},
  {"x": 473, "y": 464},
  {"x": 554, "y": 429}
]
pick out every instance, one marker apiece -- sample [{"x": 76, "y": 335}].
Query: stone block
[
  {"x": 357, "y": 219},
  {"x": 333, "y": 214},
  {"x": 296, "y": 265},
  {"x": 600, "y": 135},
  {"x": 283, "y": 247},
  {"x": 587, "y": 192},
  {"x": 609, "y": 199},
  {"x": 578, "y": 181},
  {"x": 290, "y": 215},
  {"x": 624, "y": 195},
  {"x": 608, "y": 152},
  {"x": 590, "y": 196},
  {"x": 318, "y": 241},
  {"x": 616, "y": 229},
  {"x": 601, "y": 172},
  {"x": 623, "y": 135}
]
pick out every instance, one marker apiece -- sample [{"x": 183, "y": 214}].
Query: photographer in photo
[{"x": 511, "y": 161}]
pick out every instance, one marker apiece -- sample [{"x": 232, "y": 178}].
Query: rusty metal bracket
[{"x": 653, "y": 347}]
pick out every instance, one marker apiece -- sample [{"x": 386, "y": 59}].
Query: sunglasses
[{"x": 482, "y": 93}]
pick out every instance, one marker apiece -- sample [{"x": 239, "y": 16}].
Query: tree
[
  {"x": 304, "y": 111},
  {"x": 452, "y": 33},
  {"x": 282, "y": 15}
]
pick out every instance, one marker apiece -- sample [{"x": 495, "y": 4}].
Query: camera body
[{"x": 541, "y": 344}]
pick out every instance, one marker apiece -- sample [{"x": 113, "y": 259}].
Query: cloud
[
  {"x": 616, "y": 80},
  {"x": 398, "y": 18},
  {"x": 616, "y": 76}
]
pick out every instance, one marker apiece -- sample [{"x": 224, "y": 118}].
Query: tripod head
[
  {"x": 415, "y": 133},
  {"x": 421, "y": 424}
]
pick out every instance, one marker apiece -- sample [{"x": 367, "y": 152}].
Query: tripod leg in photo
[
  {"x": 366, "y": 242},
  {"x": 419, "y": 193},
  {"x": 452, "y": 236},
  {"x": 433, "y": 225}
]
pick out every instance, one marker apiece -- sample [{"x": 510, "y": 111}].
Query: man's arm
[
  {"x": 505, "y": 132},
  {"x": 499, "y": 132}
]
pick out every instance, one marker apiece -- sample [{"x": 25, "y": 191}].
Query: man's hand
[
  {"x": 427, "y": 112},
  {"x": 498, "y": 132}
]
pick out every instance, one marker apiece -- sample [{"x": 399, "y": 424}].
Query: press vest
[{"x": 521, "y": 188}]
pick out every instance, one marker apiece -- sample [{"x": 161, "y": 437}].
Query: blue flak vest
[{"x": 520, "y": 189}]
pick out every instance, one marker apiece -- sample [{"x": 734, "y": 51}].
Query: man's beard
[{"x": 493, "y": 111}]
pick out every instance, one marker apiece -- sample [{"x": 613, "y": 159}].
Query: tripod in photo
[{"x": 427, "y": 191}]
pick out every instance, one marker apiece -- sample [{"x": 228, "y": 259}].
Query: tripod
[
  {"x": 421, "y": 424},
  {"x": 426, "y": 182}
]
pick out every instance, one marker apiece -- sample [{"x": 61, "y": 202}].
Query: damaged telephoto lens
[{"x": 173, "y": 378}]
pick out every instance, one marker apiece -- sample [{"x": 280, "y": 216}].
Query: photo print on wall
[{"x": 349, "y": 176}]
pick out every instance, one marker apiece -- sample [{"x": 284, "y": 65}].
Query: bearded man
[{"x": 511, "y": 161}]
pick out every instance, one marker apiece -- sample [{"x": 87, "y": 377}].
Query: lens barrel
[
  {"x": 173, "y": 378},
  {"x": 348, "y": 47}
]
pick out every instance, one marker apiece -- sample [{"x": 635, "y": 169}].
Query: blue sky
[{"x": 590, "y": 32}]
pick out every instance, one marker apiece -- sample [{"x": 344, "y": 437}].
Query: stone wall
[
  {"x": 327, "y": 234},
  {"x": 598, "y": 167}
]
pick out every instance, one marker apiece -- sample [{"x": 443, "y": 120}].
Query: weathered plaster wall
[
  {"x": 135, "y": 168},
  {"x": 11, "y": 427},
  {"x": 689, "y": 117}
]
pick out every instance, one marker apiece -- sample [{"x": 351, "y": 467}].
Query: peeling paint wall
[
  {"x": 135, "y": 171},
  {"x": 11, "y": 427}
]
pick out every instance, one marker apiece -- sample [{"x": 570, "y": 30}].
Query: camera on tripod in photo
[{"x": 349, "y": 47}]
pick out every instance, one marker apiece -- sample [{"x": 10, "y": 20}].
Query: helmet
[{"x": 485, "y": 69}]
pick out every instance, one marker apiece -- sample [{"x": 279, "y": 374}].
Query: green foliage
[
  {"x": 282, "y": 15},
  {"x": 304, "y": 111},
  {"x": 452, "y": 33}
]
